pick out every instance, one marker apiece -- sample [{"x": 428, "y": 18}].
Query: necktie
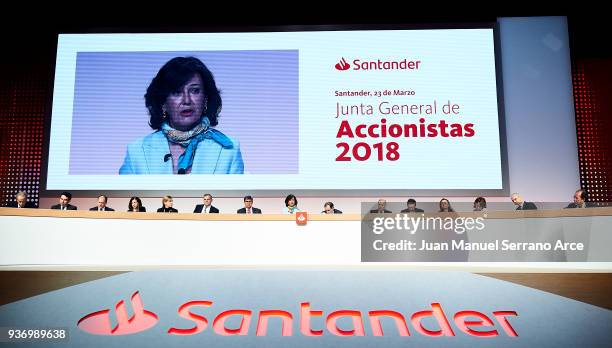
[
  {"x": 249, "y": 211},
  {"x": 205, "y": 209}
]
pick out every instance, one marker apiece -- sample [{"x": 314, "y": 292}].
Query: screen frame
[{"x": 504, "y": 191}]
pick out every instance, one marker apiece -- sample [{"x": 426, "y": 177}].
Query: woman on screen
[
  {"x": 135, "y": 206},
  {"x": 291, "y": 204},
  {"x": 445, "y": 206},
  {"x": 167, "y": 205},
  {"x": 184, "y": 106}
]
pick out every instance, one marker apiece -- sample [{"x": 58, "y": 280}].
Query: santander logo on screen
[
  {"x": 342, "y": 65},
  {"x": 430, "y": 322},
  {"x": 378, "y": 64}
]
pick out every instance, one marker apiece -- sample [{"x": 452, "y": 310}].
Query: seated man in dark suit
[
  {"x": 207, "y": 207},
  {"x": 248, "y": 207},
  {"x": 580, "y": 197},
  {"x": 21, "y": 201},
  {"x": 411, "y": 203},
  {"x": 521, "y": 204},
  {"x": 102, "y": 199},
  {"x": 64, "y": 202},
  {"x": 328, "y": 208},
  {"x": 381, "y": 208}
]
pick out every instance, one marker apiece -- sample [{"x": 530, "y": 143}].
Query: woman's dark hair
[
  {"x": 481, "y": 201},
  {"x": 288, "y": 198},
  {"x": 170, "y": 78},
  {"x": 450, "y": 209},
  {"x": 137, "y": 200}
]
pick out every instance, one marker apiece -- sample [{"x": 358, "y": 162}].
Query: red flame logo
[
  {"x": 98, "y": 323},
  {"x": 301, "y": 217},
  {"x": 342, "y": 65}
]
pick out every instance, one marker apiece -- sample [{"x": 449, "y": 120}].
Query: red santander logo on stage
[
  {"x": 469, "y": 322},
  {"x": 99, "y": 323},
  {"x": 301, "y": 217}
]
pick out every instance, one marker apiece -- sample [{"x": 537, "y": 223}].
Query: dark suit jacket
[
  {"x": 336, "y": 211},
  {"x": 69, "y": 207},
  {"x": 375, "y": 211},
  {"x": 243, "y": 210},
  {"x": 527, "y": 206},
  {"x": 140, "y": 210},
  {"x": 416, "y": 210},
  {"x": 105, "y": 209},
  {"x": 27, "y": 205},
  {"x": 574, "y": 205},
  {"x": 200, "y": 207},
  {"x": 167, "y": 210}
]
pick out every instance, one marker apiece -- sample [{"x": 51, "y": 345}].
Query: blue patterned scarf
[{"x": 191, "y": 138}]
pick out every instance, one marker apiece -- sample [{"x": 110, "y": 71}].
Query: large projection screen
[{"x": 346, "y": 112}]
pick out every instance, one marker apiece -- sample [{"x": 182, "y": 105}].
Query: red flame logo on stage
[
  {"x": 99, "y": 323},
  {"x": 301, "y": 217},
  {"x": 342, "y": 65}
]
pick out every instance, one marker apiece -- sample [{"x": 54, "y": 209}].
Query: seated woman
[
  {"x": 184, "y": 106},
  {"x": 328, "y": 208},
  {"x": 135, "y": 205},
  {"x": 480, "y": 204},
  {"x": 291, "y": 205},
  {"x": 445, "y": 206},
  {"x": 167, "y": 205}
]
